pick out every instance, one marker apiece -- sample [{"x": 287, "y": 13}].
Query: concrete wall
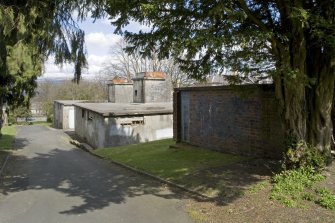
[
  {"x": 157, "y": 91},
  {"x": 63, "y": 119},
  {"x": 152, "y": 90},
  {"x": 234, "y": 119},
  {"x": 120, "y": 93},
  {"x": 138, "y": 90},
  {"x": 102, "y": 132},
  {"x": 58, "y": 115}
]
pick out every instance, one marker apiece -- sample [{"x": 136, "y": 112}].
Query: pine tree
[
  {"x": 30, "y": 32},
  {"x": 293, "y": 41}
]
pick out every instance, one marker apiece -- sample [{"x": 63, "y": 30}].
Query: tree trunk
[
  {"x": 320, "y": 98},
  {"x": 305, "y": 89},
  {"x": 291, "y": 87}
]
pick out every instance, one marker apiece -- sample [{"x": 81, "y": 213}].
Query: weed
[
  {"x": 326, "y": 199},
  {"x": 290, "y": 187},
  {"x": 258, "y": 187}
]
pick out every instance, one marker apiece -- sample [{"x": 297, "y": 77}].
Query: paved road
[{"x": 48, "y": 180}]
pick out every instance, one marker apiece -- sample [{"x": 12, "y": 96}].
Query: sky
[{"x": 99, "y": 39}]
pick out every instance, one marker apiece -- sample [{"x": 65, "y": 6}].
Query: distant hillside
[{"x": 54, "y": 80}]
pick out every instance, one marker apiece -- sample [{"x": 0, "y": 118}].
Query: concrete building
[
  {"x": 241, "y": 120},
  {"x": 151, "y": 87},
  {"x": 36, "y": 109},
  {"x": 64, "y": 114},
  {"x": 113, "y": 124},
  {"x": 120, "y": 90}
]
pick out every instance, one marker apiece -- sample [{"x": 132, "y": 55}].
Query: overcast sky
[{"x": 99, "y": 39}]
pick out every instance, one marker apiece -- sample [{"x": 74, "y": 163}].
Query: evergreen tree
[
  {"x": 31, "y": 31},
  {"x": 294, "y": 41}
]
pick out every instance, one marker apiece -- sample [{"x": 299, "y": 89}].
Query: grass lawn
[
  {"x": 7, "y": 138},
  {"x": 6, "y": 141},
  {"x": 47, "y": 124},
  {"x": 173, "y": 164},
  {"x": 244, "y": 187}
]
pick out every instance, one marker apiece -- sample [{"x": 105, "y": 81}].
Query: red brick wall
[{"x": 234, "y": 119}]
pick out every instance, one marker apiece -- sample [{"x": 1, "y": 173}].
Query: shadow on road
[
  {"x": 76, "y": 174},
  {"x": 42, "y": 163},
  {"x": 20, "y": 143}
]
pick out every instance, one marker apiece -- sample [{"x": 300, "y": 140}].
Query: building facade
[
  {"x": 64, "y": 114},
  {"x": 104, "y": 125},
  {"x": 120, "y": 91}
]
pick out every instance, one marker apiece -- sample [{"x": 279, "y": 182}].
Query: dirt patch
[
  {"x": 246, "y": 201},
  {"x": 226, "y": 183}
]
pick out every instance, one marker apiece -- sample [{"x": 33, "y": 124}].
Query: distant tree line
[{"x": 47, "y": 92}]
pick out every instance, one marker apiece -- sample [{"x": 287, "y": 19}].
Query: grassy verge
[
  {"x": 47, "y": 124},
  {"x": 7, "y": 138},
  {"x": 6, "y": 141},
  {"x": 173, "y": 164}
]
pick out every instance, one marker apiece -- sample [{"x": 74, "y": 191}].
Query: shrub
[{"x": 301, "y": 154}]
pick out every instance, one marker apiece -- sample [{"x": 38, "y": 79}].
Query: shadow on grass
[
  {"x": 76, "y": 174},
  {"x": 229, "y": 182},
  {"x": 221, "y": 184},
  {"x": 6, "y": 142},
  {"x": 99, "y": 183}
]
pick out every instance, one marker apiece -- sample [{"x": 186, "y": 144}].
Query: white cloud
[
  {"x": 101, "y": 40},
  {"x": 95, "y": 64}
]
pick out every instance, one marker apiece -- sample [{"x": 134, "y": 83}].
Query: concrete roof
[
  {"x": 69, "y": 102},
  {"x": 156, "y": 75},
  {"x": 125, "y": 109},
  {"x": 227, "y": 87},
  {"x": 120, "y": 81}
]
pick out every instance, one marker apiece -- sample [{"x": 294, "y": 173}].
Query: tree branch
[{"x": 253, "y": 17}]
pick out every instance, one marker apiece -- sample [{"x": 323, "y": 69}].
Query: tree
[
  {"x": 48, "y": 92},
  {"x": 32, "y": 30},
  {"x": 294, "y": 41},
  {"x": 123, "y": 64},
  {"x": 18, "y": 112}
]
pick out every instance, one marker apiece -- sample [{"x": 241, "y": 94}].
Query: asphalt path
[{"x": 48, "y": 180}]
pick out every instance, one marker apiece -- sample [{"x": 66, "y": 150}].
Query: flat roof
[
  {"x": 69, "y": 102},
  {"x": 127, "y": 109},
  {"x": 226, "y": 87}
]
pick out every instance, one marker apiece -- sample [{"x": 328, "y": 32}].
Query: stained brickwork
[{"x": 235, "y": 119}]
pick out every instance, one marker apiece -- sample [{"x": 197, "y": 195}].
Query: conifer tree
[{"x": 292, "y": 40}]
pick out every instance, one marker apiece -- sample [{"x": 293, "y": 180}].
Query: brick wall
[{"x": 234, "y": 119}]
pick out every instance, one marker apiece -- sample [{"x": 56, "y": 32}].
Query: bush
[
  {"x": 301, "y": 154},
  {"x": 50, "y": 118}
]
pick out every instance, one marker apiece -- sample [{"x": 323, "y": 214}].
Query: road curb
[{"x": 83, "y": 146}]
